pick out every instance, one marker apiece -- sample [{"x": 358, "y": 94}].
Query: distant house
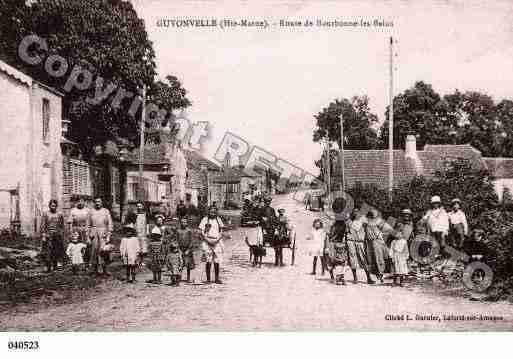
[
  {"x": 156, "y": 190},
  {"x": 371, "y": 166},
  {"x": 502, "y": 170},
  {"x": 199, "y": 172},
  {"x": 230, "y": 186}
]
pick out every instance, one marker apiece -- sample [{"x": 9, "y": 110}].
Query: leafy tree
[
  {"x": 359, "y": 124},
  {"x": 358, "y": 119},
  {"x": 107, "y": 38},
  {"x": 14, "y": 15},
  {"x": 420, "y": 111}
]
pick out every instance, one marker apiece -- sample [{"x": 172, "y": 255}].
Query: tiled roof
[
  {"x": 195, "y": 159},
  {"x": 371, "y": 166},
  {"x": 500, "y": 167},
  {"x": 153, "y": 155}
]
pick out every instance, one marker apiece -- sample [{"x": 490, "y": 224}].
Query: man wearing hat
[
  {"x": 458, "y": 224},
  {"x": 437, "y": 221},
  {"x": 407, "y": 221},
  {"x": 211, "y": 228}
]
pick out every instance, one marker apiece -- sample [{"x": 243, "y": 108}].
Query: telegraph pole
[
  {"x": 391, "y": 123},
  {"x": 343, "y": 178},
  {"x": 141, "y": 145}
]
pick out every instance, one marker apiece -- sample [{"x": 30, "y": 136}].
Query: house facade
[
  {"x": 31, "y": 157},
  {"x": 501, "y": 169},
  {"x": 200, "y": 171}
]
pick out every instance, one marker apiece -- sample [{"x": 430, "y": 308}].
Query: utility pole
[
  {"x": 342, "y": 174},
  {"x": 141, "y": 145},
  {"x": 391, "y": 123},
  {"x": 328, "y": 153}
]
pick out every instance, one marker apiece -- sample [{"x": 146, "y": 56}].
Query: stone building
[{"x": 31, "y": 157}]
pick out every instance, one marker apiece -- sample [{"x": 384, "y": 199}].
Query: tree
[
  {"x": 14, "y": 15},
  {"x": 107, "y": 38},
  {"x": 456, "y": 118},
  {"x": 358, "y": 123},
  {"x": 422, "y": 112}
]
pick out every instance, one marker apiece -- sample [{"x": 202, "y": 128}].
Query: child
[
  {"x": 156, "y": 256},
  {"x": 174, "y": 259},
  {"x": 399, "y": 253},
  {"x": 186, "y": 246},
  {"x": 130, "y": 250},
  {"x": 316, "y": 239},
  {"x": 336, "y": 248},
  {"x": 255, "y": 241},
  {"x": 75, "y": 252}
]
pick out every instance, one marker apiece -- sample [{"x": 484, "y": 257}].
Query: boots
[
  {"x": 216, "y": 272},
  {"x": 331, "y": 275},
  {"x": 355, "y": 277},
  {"x": 133, "y": 272},
  {"x": 281, "y": 257},
  {"x": 208, "y": 266},
  {"x": 128, "y": 273},
  {"x": 395, "y": 280},
  {"x": 177, "y": 280},
  {"x": 276, "y": 257},
  {"x": 340, "y": 280},
  {"x": 188, "y": 275},
  {"x": 369, "y": 279},
  {"x": 380, "y": 278},
  {"x": 159, "y": 277},
  {"x": 314, "y": 265},
  {"x": 323, "y": 265},
  {"x": 401, "y": 278}
]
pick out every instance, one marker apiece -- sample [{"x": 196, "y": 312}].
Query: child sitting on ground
[
  {"x": 130, "y": 250},
  {"x": 75, "y": 252},
  {"x": 255, "y": 241}
]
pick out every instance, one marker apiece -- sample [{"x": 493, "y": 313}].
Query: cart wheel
[{"x": 293, "y": 250}]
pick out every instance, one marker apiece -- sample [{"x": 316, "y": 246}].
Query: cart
[{"x": 278, "y": 235}]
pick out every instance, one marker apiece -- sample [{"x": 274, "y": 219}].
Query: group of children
[
  {"x": 170, "y": 250},
  {"x": 358, "y": 242}
]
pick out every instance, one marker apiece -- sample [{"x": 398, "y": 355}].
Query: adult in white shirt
[
  {"x": 211, "y": 228},
  {"x": 458, "y": 224},
  {"x": 437, "y": 221}
]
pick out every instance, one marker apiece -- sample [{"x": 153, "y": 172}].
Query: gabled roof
[
  {"x": 16, "y": 74},
  {"x": 371, "y": 166},
  {"x": 500, "y": 167},
  {"x": 196, "y": 159}
]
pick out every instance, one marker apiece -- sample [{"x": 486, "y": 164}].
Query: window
[{"x": 46, "y": 120}]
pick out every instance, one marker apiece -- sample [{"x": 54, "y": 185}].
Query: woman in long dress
[
  {"x": 52, "y": 232},
  {"x": 377, "y": 248}
]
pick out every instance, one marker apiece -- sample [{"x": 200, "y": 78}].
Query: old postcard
[{"x": 255, "y": 166}]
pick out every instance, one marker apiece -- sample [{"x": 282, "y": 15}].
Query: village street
[{"x": 266, "y": 298}]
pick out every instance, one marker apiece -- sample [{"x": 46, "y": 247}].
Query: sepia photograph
[{"x": 244, "y": 166}]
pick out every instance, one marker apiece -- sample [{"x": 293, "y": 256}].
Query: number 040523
[{"x": 23, "y": 345}]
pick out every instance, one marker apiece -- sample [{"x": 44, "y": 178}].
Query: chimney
[
  {"x": 410, "y": 152},
  {"x": 410, "y": 148}
]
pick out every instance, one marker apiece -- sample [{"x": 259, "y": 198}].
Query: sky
[{"x": 266, "y": 85}]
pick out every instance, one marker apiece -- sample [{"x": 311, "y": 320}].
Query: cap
[
  {"x": 407, "y": 211},
  {"x": 456, "y": 200},
  {"x": 436, "y": 199}
]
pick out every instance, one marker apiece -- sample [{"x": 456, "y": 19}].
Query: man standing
[
  {"x": 458, "y": 224},
  {"x": 181, "y": 210},
  {"x": 78, "y": 221},
  {"x": 100, "y": 222},
  {"x": 211, "y": 228},
  {"x": 437, "y": 221}
]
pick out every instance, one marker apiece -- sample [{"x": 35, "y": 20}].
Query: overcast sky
[{"x": 266, "y": 85}]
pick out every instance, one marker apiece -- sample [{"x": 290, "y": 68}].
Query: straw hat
[{"x": 436, "y": 199}]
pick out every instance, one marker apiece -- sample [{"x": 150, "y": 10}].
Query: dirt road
[{"x": 266, "y": 298}]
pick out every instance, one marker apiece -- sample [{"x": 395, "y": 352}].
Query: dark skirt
[{"x": 53, "y": 248}]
